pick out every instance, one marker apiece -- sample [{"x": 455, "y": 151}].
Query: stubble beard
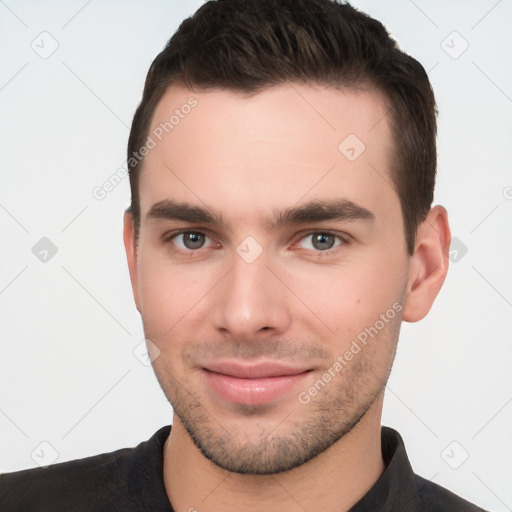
[{"x": 303, "y": 432}]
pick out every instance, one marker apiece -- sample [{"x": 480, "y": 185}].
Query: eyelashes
[
  {"x": 319, "y": 242},
  {"x": 322, "y": 241}
]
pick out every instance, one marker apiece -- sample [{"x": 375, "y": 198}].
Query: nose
[{"x": 250, "y": 301}]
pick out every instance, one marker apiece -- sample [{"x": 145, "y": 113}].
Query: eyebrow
[
  {"x": 318, "y": 211},
  {"x": 314, "y": 211}
]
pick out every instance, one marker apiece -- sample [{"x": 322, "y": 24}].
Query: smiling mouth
[{"x": 253, "y": 384}]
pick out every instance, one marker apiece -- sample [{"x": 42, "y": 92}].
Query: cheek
[
  {"x": 349, "y": 298},
  {"x": 172, "y": 296},
  {"x": 165, "y": 295}
]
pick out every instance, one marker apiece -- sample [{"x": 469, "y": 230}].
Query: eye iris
[
  {"x": 322, "y": 241},
  {"x": 193, "y": 240}
]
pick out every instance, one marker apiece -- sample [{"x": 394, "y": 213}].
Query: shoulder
[
  {"x": 435, "y": 498},
  {"x": 64, "y": 486},
  {"x": 120, "y": 480},
  {"x": 402, "y": 489}
]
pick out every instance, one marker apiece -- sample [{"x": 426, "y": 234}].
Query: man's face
[{"x": 267, "y": 253}]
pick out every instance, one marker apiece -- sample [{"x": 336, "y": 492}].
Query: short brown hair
[{"x": 250, "y": 45}]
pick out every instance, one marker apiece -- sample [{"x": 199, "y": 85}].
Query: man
[{"x": 282, "y": 167}]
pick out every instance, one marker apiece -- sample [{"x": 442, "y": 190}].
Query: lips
[
  {"x": 255, "y": 370},
  {"x": 253, "y": 384}
]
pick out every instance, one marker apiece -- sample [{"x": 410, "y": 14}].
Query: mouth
[{"x": 253, "y": 384}]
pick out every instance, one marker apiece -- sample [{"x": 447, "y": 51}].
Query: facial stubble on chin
[{"x": 302, "y": 433}]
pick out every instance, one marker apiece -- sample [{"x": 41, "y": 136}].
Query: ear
[
  {"x": 428, "y": 265},
  {"x": 130, "y": 246}
]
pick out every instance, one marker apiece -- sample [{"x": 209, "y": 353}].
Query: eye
[
  {"x": 190, "y": 240},
  {"x": 320, "y": 241}
]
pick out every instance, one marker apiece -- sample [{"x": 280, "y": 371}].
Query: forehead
[{"x": 268, "y": 149}]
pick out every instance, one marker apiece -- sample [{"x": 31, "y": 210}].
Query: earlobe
[
  {"x": 428, "y": 265},
  {"x": 130, "y": 246}
]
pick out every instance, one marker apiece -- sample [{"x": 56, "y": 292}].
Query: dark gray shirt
[{"x": 131, "y": 480}]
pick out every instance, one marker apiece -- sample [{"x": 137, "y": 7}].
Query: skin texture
[{"x": 249, "y": 159}]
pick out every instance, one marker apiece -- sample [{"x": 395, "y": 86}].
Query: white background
[{"x": 68, "y": 375}]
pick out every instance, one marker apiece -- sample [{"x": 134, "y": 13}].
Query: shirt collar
[
  {"x": 145, "y": 472},
  {"x": 396, "y": 487},
  {"x": 394, "y": 490}
]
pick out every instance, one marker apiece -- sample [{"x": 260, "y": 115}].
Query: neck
[{"x": 334, "y": 480}]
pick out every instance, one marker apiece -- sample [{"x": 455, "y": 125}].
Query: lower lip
[{"x": 252, "y": 391}]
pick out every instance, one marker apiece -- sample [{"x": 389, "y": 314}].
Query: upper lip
[{"x": 255, "y": 370}]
